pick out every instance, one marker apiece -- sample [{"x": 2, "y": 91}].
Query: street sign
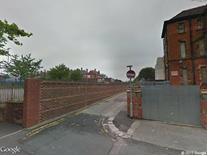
[{"x": 130, "y": 74}]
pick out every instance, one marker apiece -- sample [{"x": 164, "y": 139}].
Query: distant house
[
  {"x": 160, "y": 69},
  {"x": 92, "y": 75},
  {"x": 185, "y": 47},
  {"x": 96, "y": 76}
]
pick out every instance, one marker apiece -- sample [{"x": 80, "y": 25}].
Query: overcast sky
[{"x": 102, "y": 34}]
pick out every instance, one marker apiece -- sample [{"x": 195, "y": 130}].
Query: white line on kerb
[{"x": 11, "y": 134}]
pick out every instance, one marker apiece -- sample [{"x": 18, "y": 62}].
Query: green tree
[
  {"x": 147, "y": 73},
  {"x": 76, "y": 75},
  {"x": 10, "y": 32},
  {"x": 22, "y": 67},
  {"x": 60, "y": 72}
]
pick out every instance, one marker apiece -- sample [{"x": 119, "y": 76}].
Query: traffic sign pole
[
  {"x": 130, "y": 74},
  {"x": 131, "y": 101}
]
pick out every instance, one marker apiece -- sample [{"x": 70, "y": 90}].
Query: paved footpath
[{"x": 83, "y": 133}]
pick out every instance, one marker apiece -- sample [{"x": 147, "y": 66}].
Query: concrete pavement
[
  {"x": 8, "y": 128},
  {"x": 172, "y": 136}
]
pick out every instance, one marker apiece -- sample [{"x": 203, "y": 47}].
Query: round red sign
[{"x": 130, "y": 74}]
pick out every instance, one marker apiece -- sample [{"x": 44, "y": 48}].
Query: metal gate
[{"x": 174, "y": 104}]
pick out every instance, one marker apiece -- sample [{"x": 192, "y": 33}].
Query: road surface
[{"x": 82, "y": 133}]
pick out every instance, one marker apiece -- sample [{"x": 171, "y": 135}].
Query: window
[
  {"x": 199, "y": 23},
  {"x": 182, "y": 48},
  {"x": 185, "y": 76},
  {"x": 203, "y": 74},
  {"x": 200, "y": 48},
  {"x": 181, "y": 28}
]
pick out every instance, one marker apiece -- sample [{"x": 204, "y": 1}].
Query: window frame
[
  {"x": 200, "y": 48},
  {"x": 202, "y": 51},
  {"x": 178, "y": 28},
  {"x": 180, "y": 52},
  {"x": 200, "y": 72},
  {"x": 184, "y": 72},
  {"x": 199, "y": 20}
]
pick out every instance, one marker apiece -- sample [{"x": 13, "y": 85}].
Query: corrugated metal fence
[{"x": 174, "y": 104}]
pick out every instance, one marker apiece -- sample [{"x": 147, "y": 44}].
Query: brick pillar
[
  {"x": 31, "y": 105},
  {"x": 203, "y": 106},
  {"x": 137, "y": 103}
]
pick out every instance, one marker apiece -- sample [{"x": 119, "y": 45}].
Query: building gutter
[
  {"x": 167, "y": 62},
  {"x": 192, "y": 52}
]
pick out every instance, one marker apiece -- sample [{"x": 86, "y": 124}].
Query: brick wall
[
  {"x": 31, "y": 105},
  {"x": 203, "y": 106},
  {"x": 2, "y": 110},
  {"x": 13, "y": 112},
  {"x": 46, "y": 99},
  {"x": 190, "y": 36}
]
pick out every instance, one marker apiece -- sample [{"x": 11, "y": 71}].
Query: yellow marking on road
[{"x": 41, "y": 128}]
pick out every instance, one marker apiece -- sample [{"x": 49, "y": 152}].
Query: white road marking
[{"x": 11, "y": 134}]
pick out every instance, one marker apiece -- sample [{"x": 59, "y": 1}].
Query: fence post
[{"x": 31, "y": 105}]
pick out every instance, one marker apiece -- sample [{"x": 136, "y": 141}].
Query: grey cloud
[{"x": 102, "y": 34}]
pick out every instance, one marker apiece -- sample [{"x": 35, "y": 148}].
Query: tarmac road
[{"x": 82, "y": 133}]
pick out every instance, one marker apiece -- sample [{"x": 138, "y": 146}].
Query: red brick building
[
  {"x": 92, "y": 75},
  {"x": 185, "y": 47}
]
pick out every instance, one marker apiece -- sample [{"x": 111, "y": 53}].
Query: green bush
[
  {"x": 76, "y": 75},
  {"x": 60, "y": 72}
]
